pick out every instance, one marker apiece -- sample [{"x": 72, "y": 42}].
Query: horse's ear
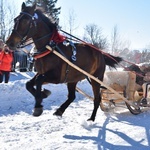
[{"x": 23, "y": 6}]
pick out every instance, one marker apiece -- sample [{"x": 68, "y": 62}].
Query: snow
[{"x": 113, "y": 130}]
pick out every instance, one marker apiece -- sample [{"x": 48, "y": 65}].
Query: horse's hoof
[
  {"x": 38, "y": 111},
  {"x": 46, "y": 93},
  {"x": 90, "y": 119},
  {"x": 58, "y": 113}
]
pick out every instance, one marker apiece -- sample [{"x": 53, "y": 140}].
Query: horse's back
[{"x": 87, "y": 58}]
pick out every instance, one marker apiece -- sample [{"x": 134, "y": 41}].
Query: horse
[
  {"x": 33, "y": 23},
  {"x": 139, "y": 73}
]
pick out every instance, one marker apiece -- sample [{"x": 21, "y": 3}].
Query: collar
[
  {"x": 40, "y": 55},
  {"x": 57, "y": 38}
]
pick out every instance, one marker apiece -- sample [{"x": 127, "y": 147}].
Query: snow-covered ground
[{"x": 117, "y": 129}]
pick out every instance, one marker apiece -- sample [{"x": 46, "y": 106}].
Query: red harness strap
[
  {"x": 57, "y": 38},
  {"x": 42, "y": 54}
]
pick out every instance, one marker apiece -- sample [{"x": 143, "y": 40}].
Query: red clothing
[{"x": 6, "y": 61}]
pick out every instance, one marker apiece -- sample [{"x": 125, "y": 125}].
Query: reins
[
  {"x": 22, "y": 46},
  {"x": 78, "y": 39}
]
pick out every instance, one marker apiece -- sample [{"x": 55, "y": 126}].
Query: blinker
[{"x": 35, "y": 16}]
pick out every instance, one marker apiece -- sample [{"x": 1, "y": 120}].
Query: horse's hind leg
[
  {"x": 71, "y": 96},
  {"x": 97, "y": 98}
]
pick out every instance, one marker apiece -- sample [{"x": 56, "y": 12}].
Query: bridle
[{"x": 32, "y": 24}]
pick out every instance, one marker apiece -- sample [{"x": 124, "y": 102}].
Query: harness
[
  {"x": 73, "y": 57},
  {"x": 55, "y": 39}
]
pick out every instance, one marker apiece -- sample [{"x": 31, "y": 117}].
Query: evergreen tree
[{"x": 49, "y": 8}]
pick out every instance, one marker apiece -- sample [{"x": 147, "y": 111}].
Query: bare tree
[
  {"x": 2, "y": 25},
  {"x": 93, "y": 35},
  {"x": 72, "y": 21},
  {"x": 145, "y": 55},
  {"x": 115, "y": 40},
  {"x": 7, "y": 14},
  {"x": 117, "y": 44}
]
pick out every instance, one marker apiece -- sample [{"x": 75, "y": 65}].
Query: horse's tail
[{"x": 111, "y": 60}]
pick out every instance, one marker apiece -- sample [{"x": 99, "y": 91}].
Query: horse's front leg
[
  {"x": 30, "y": 87},
  {"x": 38, "y": 109},
  {"x": 37, "y": 81},
  {"x": 71, "y": 96}
]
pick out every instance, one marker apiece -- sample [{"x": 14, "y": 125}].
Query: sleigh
[{"x": 124, "y": 82}]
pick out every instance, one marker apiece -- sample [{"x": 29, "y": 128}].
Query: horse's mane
[{"x": 47, "y": 20}]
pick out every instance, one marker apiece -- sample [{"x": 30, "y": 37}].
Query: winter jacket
[{"x": 6, "y": 61}]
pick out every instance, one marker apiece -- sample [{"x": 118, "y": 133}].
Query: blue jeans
[{"x": 5, "y": 74}]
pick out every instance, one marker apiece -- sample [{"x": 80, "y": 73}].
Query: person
[
  {"x": 146, "y": 88},
  {"x": 6, "y": 58},
  {"x": 31, "y": 58}
]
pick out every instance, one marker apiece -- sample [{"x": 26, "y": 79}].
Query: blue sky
[{"x": 132, "y": 18}]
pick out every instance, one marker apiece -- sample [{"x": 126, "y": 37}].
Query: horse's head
[
  {"x": 138, "y": 72},
  {"x": 23, "y": 27}
]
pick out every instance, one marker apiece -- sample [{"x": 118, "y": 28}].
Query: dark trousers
[{"x": 5, "y": 74}]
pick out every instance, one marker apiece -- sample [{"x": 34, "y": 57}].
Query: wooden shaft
[
  {"x": 91, "y": 76},
  {"x": 83, "y": 93}
]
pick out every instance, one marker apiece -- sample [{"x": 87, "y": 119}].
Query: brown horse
[{"x": 32, "y": 23}]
